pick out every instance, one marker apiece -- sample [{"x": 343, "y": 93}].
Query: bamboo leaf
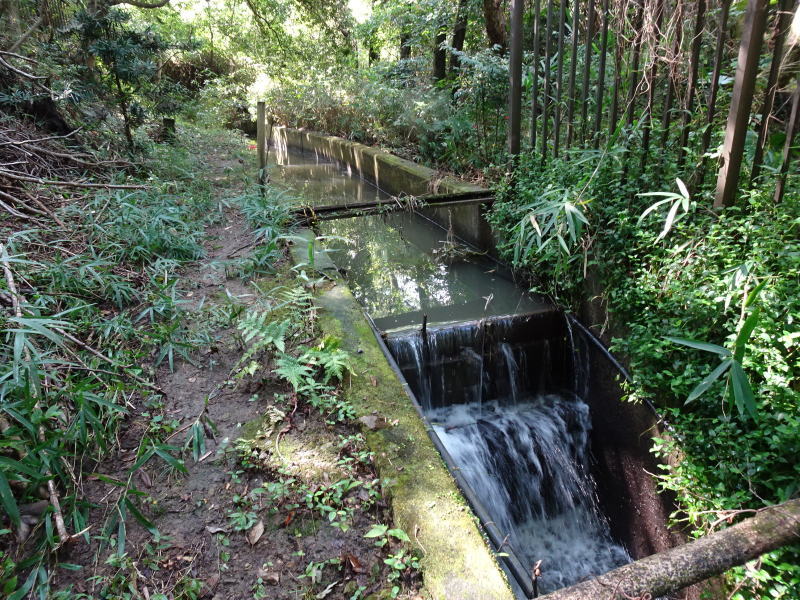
[
  {"x": 742, "y": 392},
  {"x": 709, "y": 380},
  {"x": 744, "y": 334},
  {"x": 8, "y": 501},
  {"x": 705, "y": 346}
]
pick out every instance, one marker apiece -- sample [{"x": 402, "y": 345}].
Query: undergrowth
[
  {"x": 88, "y": 312},
  {"x": 703, "y": 305}
]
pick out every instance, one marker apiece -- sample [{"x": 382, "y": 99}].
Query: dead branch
[
  {"x": 682, "y": 566},
  {"x": 63, "y": 536},
  {"x": 12, "y": 175}
]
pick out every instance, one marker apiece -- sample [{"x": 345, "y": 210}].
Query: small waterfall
[
  {"x": 513, "y": 370},
  {"x": 528, "y": 464},
  {"x": 505, "y": 398}
]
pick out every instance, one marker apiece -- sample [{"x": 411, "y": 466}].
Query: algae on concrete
[{"x": 457, "y": 564}]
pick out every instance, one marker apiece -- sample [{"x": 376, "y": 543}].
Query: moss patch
[{"x": 425, "y": 500}]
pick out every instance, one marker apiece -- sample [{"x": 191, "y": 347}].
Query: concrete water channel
[{"x": 521, "y": 400}]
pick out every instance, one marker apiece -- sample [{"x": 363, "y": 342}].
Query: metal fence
[{"x": 648, "y": 74}]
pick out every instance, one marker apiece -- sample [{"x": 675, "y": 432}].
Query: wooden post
[
  {"x": 791, "y": 128},
  {"x": 515, "y": 69},
  {"x": 537, "y": 9},
  {"x": 261, "y": 140},
  {"x": 783, "y": 21},
  {"x": 755, "y": 22}
]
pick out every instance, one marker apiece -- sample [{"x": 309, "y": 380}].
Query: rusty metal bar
[
  {"x": 617, "y": 84},
  {"x": 601, "y": 77},
  {"x": 651, "y": 88},
  {"x": 562, "y": 18},
  {"x": 755, "y": 22},
  {"x": 712, "y": 94},
  {"x": 666, "y": 119},
  {"x": 587, "y": 61},
  {"x": 783, "y": 21},
  {"x": 791, "y": 128},
  {"x": 636, "y": 55},
  {"x": 547, "y": 57},
  {"x": 515, "y": 75},
  {"x": 694, "y": 64},
  {"x": 573, "y": 69},
  {"x": 537, "y": 9},
  {"x": 261, "y": 145}
]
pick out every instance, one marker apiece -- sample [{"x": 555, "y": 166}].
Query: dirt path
[{"x": 274, "y": 502}]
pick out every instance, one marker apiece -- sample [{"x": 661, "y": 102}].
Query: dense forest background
[{"x": 701, "y": 302}]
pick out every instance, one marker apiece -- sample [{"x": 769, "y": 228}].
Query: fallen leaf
[
  {"x": 213, "y": 530},
  {"x": 324, "y": 593},
  {"x": 255, "y": 533},
  {"x": 145, "y": 478},
  {"x": 210, "y": 585},
  {"x": 373, "y": 422},
  {"x": 272, "y": 578},
  {"x": 373, "y": 380},
  {"x": 288, "y": 518},
  {"x": 354, "y": 563}
]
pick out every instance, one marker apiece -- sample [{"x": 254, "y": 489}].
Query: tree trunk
[
  {"x": 495, "y": 17},
  {"x": 439, "y": 56},
  {"x": 677, "y": 568},
  {"x": 459, "y": 35},
  {"x": 405, "y": 45}
]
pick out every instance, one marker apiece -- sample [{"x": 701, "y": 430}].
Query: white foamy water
[{"x": 528, "y": 465}]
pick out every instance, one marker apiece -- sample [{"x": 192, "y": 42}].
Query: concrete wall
[{"x": 398, "y": 176}]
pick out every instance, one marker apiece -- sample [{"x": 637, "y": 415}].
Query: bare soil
[{"x": 200, "y": 549}]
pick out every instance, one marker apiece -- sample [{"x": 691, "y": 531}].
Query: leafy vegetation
[{"x": 100, "y": 218}]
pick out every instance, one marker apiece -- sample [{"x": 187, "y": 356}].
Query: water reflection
[{"x": 391, "y": 261}]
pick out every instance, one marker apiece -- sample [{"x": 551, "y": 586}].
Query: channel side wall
[
  {"x": 622, "y": 432},
  {"x": 399, "y": 177}
]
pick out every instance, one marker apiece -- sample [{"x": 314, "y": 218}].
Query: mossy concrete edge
[
  {"x": 457, "y": 563},
  {"x": 398, "y": 176}
]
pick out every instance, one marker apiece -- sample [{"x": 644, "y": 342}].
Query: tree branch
[{"x": 680, "y": 567}]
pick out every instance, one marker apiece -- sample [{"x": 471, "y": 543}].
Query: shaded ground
[{"x": 275, "y": 501}]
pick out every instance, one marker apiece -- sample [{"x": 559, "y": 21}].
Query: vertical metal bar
[
  {"x": 694, "y": 64},
  {"x": 755, "y": 21},
  {"x": 587, "y": 62},
  {"x": 636, "y": 55},
  {"x": 537, "y": 9},
  {"x": 573, "y": 68},
  {"x": 666, "y": 119},
  {"x": 547, "y": 55},
  {"x": 601, "y": 77},
  {"x": 651, "y": 87},
  {"x": 617, "y": 84},
  {"x": 783, "y": 21},
  {"x": 712, "y": 94},
  {"x": 791, "y": 128},
  {"x": 261, "y": 145},
  {"x": 515, "y": 74},
  {"x": 562, "y": 18}
]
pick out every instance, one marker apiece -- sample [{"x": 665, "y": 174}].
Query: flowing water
[{"x": 496, "y": 371}]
